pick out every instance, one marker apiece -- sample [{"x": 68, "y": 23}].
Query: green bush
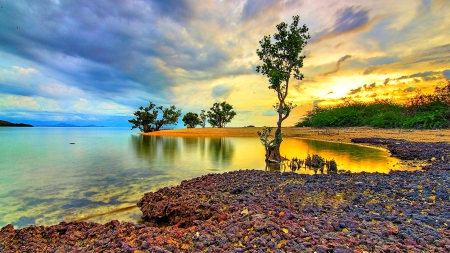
[{"x": 422, "y": 112}]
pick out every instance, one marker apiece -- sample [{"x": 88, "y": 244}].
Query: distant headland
[
  {"x": 66, "y": 125},
  {"x": 9, "y": 124}
]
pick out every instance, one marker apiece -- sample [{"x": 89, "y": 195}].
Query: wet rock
[
  {"x": 258, "y": 211},
  {"x": 436, "y": 153}
]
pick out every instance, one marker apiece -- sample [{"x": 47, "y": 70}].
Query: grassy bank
[{"x": 423, "y": 111}]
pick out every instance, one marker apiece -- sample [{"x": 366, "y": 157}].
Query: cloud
[
  {"x": 409, "y": 89},
  {"x": 24, "y": 70},
  {"x": 253, "y": 8},
  {"x": 180, "y": 10},
  {"x": 446, "y": 73},
  {"x": 221, "y": 91},
  {"x": 355, "y": 91},
  {"x": 338, "y": 64},
  {"x": 426, "y": 76},
  {"x": 317, "y": 101},
  {"x": 370, "y": 69},
  {"x": 348, "y": 19},
  {"x": 269, "y": 113},
  {"x": 368, "y": 87}
]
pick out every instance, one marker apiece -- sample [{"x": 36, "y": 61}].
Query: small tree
[
  {"x": 203, "y": 117},
  {"x": 191, "y": 120},
  {"x": 220, "y": 114},
  {"x": 147, "y": 117},
  {"x": 170, "y": 117},
  {"x": 281, "y": 59}
]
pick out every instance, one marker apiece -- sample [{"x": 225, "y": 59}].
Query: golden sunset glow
[{"x": 100, "y": 67}]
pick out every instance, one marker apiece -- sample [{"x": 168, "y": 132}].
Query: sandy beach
[{"x": 329, "y": 134}]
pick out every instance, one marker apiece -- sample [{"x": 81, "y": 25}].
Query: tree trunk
[
  {"x": 147, "y": 128},
  {"x": 273, "y": 153}
]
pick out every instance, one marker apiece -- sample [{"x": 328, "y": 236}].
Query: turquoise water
[{"x": 45, "y": 179}]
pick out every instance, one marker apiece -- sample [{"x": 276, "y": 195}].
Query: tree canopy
[
  {"x": 147, "y": 117},
  {"x": 220, "y": 114},
  {"x": 191, "y": 120}
]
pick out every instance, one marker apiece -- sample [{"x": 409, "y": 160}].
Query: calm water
[{"x": 45, "y": 179}]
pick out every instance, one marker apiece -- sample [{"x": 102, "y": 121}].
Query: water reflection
[
  {"x": 221, "y": 151},
  {"x": 158, "y": 150},
  {"x": 233, "y": 153},
  {"x": 349, "y": 157}
]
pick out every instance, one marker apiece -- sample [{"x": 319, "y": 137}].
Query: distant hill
[
  {"x": 9, "y": 124},
  {"x": 67, "y": 125}
]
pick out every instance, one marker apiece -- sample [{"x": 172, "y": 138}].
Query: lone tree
[
  {"x": 191, "y": 120},
  {"x": 220, "y": 114},
  {"x": 281, "y": 58},
  {"x": 147, "y": 117}
]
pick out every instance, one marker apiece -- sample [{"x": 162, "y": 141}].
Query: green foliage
[
  {"x": 147, "y": 117},
  {"x": 220, "y": 114},
  {"x": 428, "y": 111},
  {"x": 266, "y": 138},
  {"x": 191, "y": 120},
  {"x": 203, "y": 117},
  {"x": 281, "y": 58}
]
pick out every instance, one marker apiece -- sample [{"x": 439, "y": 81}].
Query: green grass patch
[{"x": 430, "y": 111}]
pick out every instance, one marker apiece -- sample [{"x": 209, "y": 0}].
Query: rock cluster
[
  {"x": 435, "y": 153},
  {"x": 258, "y": 211}
]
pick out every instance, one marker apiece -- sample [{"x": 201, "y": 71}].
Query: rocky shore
[
  {"x": 259, "y": 211},
  {"x": 436, "y": 155}
]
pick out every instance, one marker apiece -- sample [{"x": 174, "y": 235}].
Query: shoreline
[
  {"x": 328, "y": 134},
  {"x": 347, "y": 212}
]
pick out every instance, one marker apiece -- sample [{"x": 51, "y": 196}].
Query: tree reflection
[
  {"x": 144, "y": 146},
  {"x": 169, "y": 150},
  {"x": 195, "y": 145},
  {"x": 152, "y": 148},
  {"x": 221, "y": 151}
]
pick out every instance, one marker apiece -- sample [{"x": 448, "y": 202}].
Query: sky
[{"x": 95, "y": 62}]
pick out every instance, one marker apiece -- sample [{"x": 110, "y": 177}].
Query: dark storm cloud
[
  {"x": 99, "y": 46},
  {"x": 347, "y": 20},
  {"x": 338, "y": 64}
]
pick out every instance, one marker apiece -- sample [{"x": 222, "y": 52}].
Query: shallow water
[{"x": 45, "y": 179}]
